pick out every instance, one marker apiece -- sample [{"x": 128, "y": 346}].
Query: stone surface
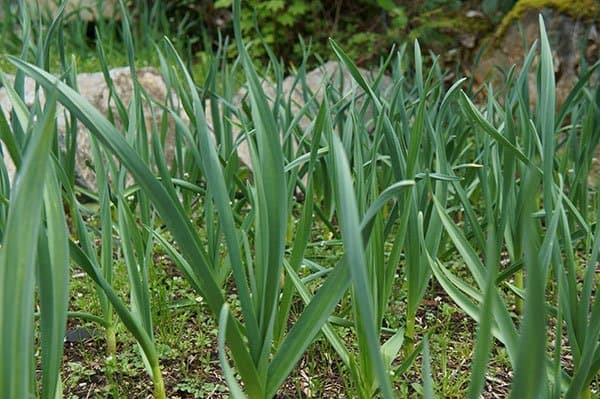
[
  {"x": 565, "y": 33},
  {"x": 569, "y": 31},
  {"x": 87, "y": 10},
  {"x": 316, "y": 81},
  {"x": 93, "y": 87}
]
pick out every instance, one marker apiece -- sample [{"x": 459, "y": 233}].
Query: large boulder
[
  {"x": 93, "y": 87},
  {"x": 86, "y": 10},
  {"x": 313, "y": 89},
  {"x": 569, "y": 25}
]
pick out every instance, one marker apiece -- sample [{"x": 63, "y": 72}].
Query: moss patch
[{"x": 575, "y": 8}]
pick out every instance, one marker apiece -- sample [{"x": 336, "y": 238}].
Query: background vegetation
[{"x": 367, "y": 28}]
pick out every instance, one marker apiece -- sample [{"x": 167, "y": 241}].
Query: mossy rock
[
  {"x": 571, "y": 25},
  {"x": 576, "y": 9},
  {"x": 567, "y": 23}
]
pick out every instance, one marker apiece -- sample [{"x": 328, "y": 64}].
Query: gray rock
[
  {"x": 93, "y": 87},
  {"x": 316, "y": 81},
  {"x": 565, "y": 34},
  {"x": 83, "y": 10},
  {"x": 86, "y": 10}
]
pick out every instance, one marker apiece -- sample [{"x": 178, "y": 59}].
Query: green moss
[
  {"x": 573, "y": 8},
  {"x": 6, "y": 66},
  {"x": 462, "y": 23},
  {"x": 87, "y": 61}
]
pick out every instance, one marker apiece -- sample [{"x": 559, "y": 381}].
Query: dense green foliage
[{"x": 366, "y": 28}]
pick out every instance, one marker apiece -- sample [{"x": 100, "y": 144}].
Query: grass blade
[
  {"x": 170, "y": 211},
  {"x": 234, "y": 387},
  {"x": 355, "y": 256},
  {"x": 307, "y": 326},
  {"x": 17, "y": 262},
  {"x": 530, "y": 368},
  {"x": 53, "y": 281},
  {"x": 271, "y": 198},
  {"x": 484, "y": 340},
  {"x": 427, "y": 377}
]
